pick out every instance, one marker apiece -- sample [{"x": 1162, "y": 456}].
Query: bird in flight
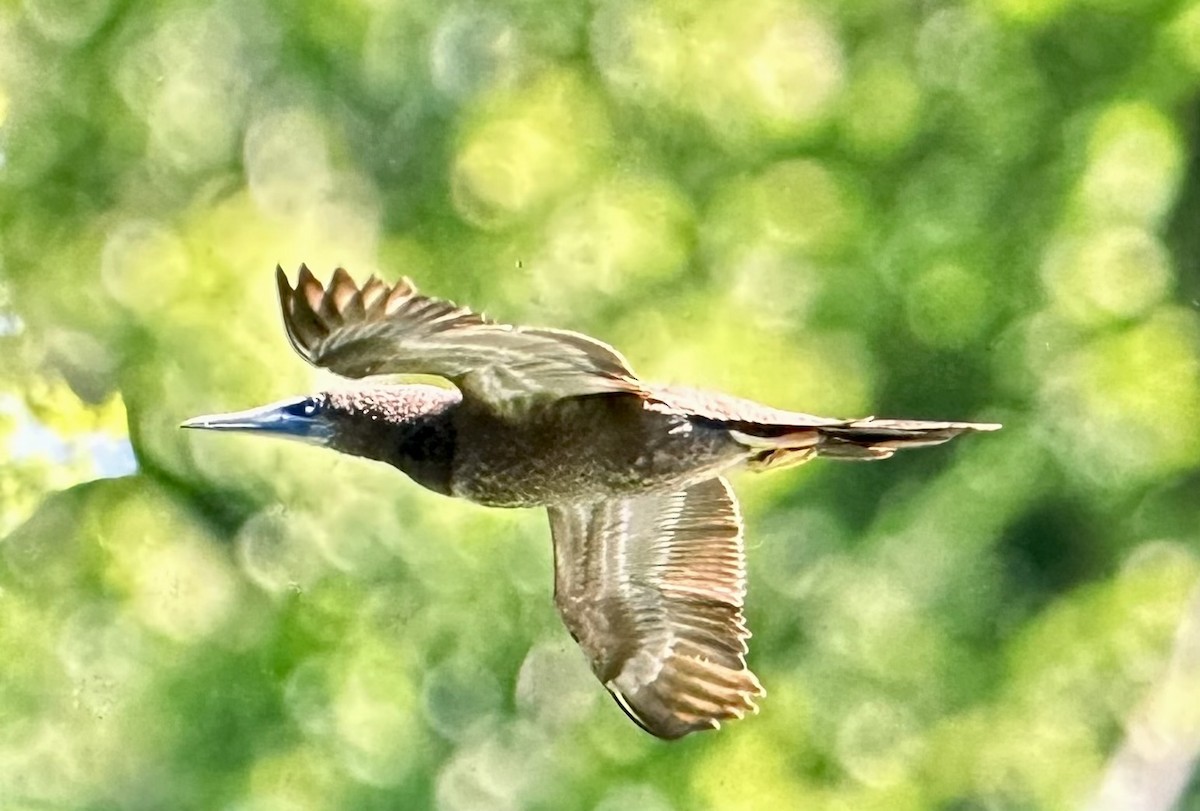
[{"x": 649, "y": 563}]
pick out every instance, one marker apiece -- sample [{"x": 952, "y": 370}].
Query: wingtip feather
[{"x": 283, "y": 286}]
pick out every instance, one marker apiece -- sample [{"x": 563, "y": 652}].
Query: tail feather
[
  {"x": 865, "y": 439},
  {"x": 881, "y": 438}
]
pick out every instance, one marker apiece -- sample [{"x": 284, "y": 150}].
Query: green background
[{"x": 983, "y": 210}]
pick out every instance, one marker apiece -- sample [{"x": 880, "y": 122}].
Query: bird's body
[
  {"x": 583, "y": 449},
  {"x": 579, "y": 449},
  {"x": 649, "y": 561}
]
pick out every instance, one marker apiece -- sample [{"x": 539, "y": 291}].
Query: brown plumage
[{"x": 649, "y": 564}]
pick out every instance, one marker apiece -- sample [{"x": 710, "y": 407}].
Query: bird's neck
[
  {"x": 421, "y": 446},
  {"x": 426, "y": 451}
]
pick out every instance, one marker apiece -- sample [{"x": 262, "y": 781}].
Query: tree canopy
[{"x": 940, "y": 210}]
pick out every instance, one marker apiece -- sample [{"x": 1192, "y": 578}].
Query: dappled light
[{"x": 976, "y": 211}]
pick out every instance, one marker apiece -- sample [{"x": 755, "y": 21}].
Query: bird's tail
[{"x": 864, "y": 439}]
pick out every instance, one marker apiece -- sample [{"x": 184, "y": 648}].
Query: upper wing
[
  {"x": 651, "y": 588},
  {"x": 382, "y": 329},
  {"x": 726, "y": 408}
]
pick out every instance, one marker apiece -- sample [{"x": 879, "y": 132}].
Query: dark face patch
[{"x": 408, "y": 427}]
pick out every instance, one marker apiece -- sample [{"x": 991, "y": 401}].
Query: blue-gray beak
[{"x": 292, "y": 419}]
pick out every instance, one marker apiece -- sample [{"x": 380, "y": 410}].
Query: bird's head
[{"x": 388, "y": 423}]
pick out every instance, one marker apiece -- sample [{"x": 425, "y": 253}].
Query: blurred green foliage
[{"x": 944, "y": 210}]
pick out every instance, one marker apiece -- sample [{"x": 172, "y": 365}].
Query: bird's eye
[{"x": 304, "y": 408}]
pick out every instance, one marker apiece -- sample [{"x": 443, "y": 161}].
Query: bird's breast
[{"x": 581, "y": 449}]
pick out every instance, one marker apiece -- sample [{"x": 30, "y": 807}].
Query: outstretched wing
[
  {"x": 651, "y": 587},
  {"x": 392, "y": 329}
]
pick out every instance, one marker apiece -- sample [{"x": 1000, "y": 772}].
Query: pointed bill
[{"x": 298, "y": 418}]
